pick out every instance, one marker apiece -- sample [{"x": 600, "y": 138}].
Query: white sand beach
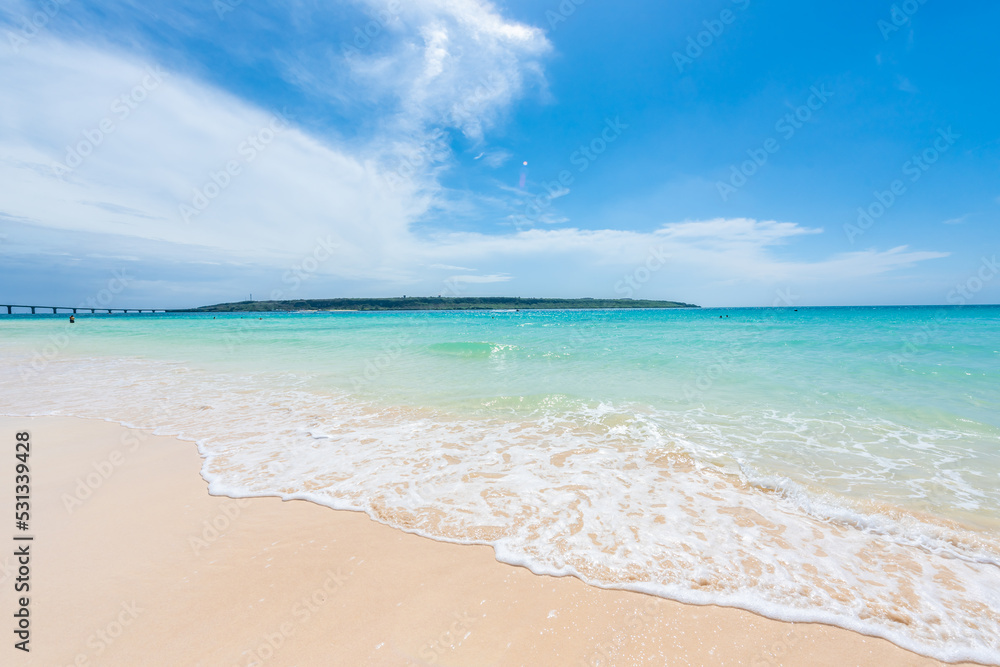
[{"x": 135, "y": 563}]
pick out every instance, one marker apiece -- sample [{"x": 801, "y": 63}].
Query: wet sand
[{"x": 135, "y": 563}]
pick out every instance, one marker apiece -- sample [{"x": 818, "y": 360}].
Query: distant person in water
[{"x": 72, "y": 319}]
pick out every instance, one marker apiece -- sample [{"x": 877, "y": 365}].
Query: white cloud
[
  {"x": 737, "y": 248},
  {"x": 956, "y": 221},
  {"x": 287, "y": 193},
  {"x": 495, "y": 158},
  {"x": 905, "y": 85},
  {"x": 448, "y": 267},
  {"x": 300, "y": 191},
  {"x": 479, "y": 280},
  {"x": 738, "y": 230},
  {"x": 456, "y": 64}
]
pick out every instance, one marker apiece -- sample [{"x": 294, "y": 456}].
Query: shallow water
[{"x": 832, "y": 464}]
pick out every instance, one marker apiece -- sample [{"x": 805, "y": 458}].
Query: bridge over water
[{"x": 55, "y": 309}]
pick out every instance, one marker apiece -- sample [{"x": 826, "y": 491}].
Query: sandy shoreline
[{"x": 134, "y": 563}]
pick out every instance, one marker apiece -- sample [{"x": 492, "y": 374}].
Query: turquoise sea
[{"x": 839, "y": 465}]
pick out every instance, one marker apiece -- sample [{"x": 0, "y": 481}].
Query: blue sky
[{"x": 709, "y": 152}]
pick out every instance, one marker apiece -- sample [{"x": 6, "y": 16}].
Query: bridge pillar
[
  {"x": 53, "y": 311},
  {"x": 32, "y": 310},
  {"x": 74, "y": 311}
]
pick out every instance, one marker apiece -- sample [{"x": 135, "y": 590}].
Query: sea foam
[{"x": 674, "y": 504}]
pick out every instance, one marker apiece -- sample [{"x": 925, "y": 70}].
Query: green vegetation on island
[{"x": 437, "y": 303}]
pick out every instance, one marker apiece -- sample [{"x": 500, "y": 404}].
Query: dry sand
[{"x": 145, "y": 568}]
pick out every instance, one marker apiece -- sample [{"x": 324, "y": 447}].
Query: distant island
[{"x": 436, "y": 303}]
